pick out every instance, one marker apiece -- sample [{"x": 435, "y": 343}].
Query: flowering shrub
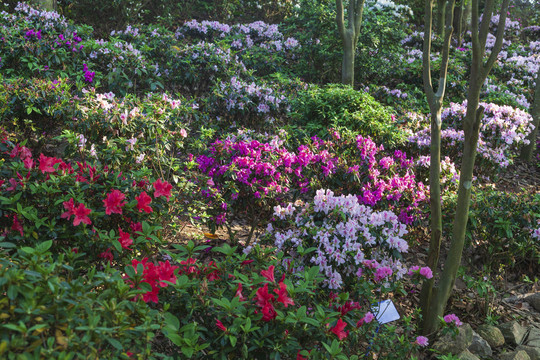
[
  {"x": 242, "y": 103},
  {"x": 253, "y": 307},
  {"x": 348, "y": 238},
  {"x": 502, "y": 132},
  {"x": 41, "y": 44},
  {"x": 251, "y": 175},
  {"x": 36, "y": 106},
  {"x": 89, "y": 209},
  {"x": 198, "y": 67},
  {"x": 383, "y": 180}
]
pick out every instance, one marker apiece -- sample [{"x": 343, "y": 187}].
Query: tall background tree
[
  {"x": 436, "y": 297},
  {"x": 349, "y": 30},
  {"x": 435, "y": 101},
  {"x": 49, "y": 5}
]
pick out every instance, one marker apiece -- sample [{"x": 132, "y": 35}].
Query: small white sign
[{"x": 385, "y": 312}]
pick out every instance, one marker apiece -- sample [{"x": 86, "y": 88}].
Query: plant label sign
[{"x": 385, "y": 312}]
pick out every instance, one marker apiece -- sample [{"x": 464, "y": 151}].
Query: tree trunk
[
  {"x": 347, "y": 70},
  {"x": 453, "y": 259},
  {"x": 465, "y": 25},
  {"x": 49, "y": 5},
  {"x": 435, "y": 205},
  {"x": 440, "y": 16},
  {"x": 528, "y": 151},
  {"x": 458, "y": 21}
]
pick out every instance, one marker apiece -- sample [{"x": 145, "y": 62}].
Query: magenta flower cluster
[
  {"x": 88, "y": 75},
  {"x": 69, "y": 41},
  {"x": 32, "y": 34},
  {"x": 379, "y": 179}
]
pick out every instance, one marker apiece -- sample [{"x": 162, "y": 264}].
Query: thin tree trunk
[
  {"x": 435, "y": 206},
  {"x": 471, "y": 128},
  {"x": 347, "y": 71},
  {"x": 440, "y": 16},
  {"x": 49, "y": 5},
  {"x": 458, "y": 22},
  {"x": 528, "y": 151}
]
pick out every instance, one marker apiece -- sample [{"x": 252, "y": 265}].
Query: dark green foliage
[
  {"x": 52, "y": 310},
  {"x": 319, "y": 109},
  {"x": 500, "y": 228}
]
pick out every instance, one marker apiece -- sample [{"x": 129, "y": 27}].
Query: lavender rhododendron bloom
[{"x": 348, "y": 232}]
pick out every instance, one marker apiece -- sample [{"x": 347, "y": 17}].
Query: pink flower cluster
[{"x": 452, "y": 319}]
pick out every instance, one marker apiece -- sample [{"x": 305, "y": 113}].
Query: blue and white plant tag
[{"x": 385, "y": 312}]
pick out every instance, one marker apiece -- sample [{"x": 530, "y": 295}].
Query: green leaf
[
  {"x": 44, "y": 246},
  {"x": 187, "y": 351},
  {"x": 175, "y": 338},
  {"x": 233, "y": 340},
  {"x": 114, "y": 343},
  {"x": 172, "y": 321},
  {"x": 130, "y": 271}
]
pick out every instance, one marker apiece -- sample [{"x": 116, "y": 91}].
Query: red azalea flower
[
  {"x": 107, "y": 255},
  {"x": 28, "y": 163},
  {"x": 46, "y": 164},
  {"x": 269, "y": 312},
  {"x": 269, "y": 274},
  {"x": 220, "y": 325},
  {"x": 136, "y": 227},
  {"x": 239, "y": 293},
  {"x": 166, "y": 273},
  {"x": 214, "y": 271},
  {"x": 114, "y": 202},
  {"x": 338, "y": 329},
  {"x": 143, "y": 201},
  {"x": 13, "y": 186},
  {"x": 16, "y": 226},
  {"x": 246, "y": 262},
  {"x": 152, "y": 295},
  {"x": 348, "y": 306},
  {"x": 163, "y": 188},
  {"x": 125, "y": 239},
  {"x": 189, "y": 269},
  {"x": 81, "y": 215},
  {"x": 263, "y": 297},
  {"x": 283, "y": 295}
]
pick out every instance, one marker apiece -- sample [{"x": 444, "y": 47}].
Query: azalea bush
[
  {"x": 252, "y": 174},
  {"x": 382, "y": 179},
  {"x": 349, "y": 238},
  {"x": 56, "y": 306},
  {"x": 243, "y": 306},
  {"x": 503, "y": 130},
  {"x": 84, "y": 207},
  {"x": 249, "y": 104},
  {"x": 35, "y": 108},
  {"x": 41, "y": 43},
  {"x": 339, "y": 107},
  {"x": 502, "y": 228}
]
